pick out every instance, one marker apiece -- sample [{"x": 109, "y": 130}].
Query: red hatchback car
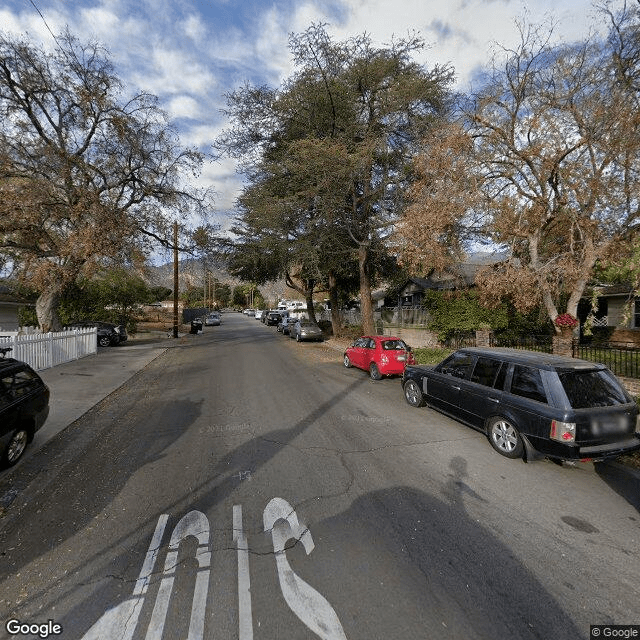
[{"x": 379, "y": 355}]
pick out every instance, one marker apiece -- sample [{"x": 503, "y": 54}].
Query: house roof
[
  {"x": 623, "y": 289},
  {"x": 461, "y": 275}
]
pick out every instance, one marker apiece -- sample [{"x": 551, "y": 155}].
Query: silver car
[
  {"x": 306, "y": 330},
  {"x": 212, "y": 320}
]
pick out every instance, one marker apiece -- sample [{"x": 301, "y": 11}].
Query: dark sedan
[
  {"x": 109, "y": 335},
  {"x": 531, "y": 404},
  {"x": 24, "y": 407}
]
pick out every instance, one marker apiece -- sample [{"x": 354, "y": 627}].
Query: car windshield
[
  {"x": 591, "y": 389},
  {"x": 393, "y": 345}
]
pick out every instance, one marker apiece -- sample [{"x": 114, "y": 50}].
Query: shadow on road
[{"x": 623, "y": 482}]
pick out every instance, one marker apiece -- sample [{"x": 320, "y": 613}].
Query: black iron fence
[
  {"x": 622, "y": 361},
  {"x": 542, "y": 343}
]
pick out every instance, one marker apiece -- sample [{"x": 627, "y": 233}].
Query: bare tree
[
  {"x": 557, "y": 154},
  {"x": 85, "y": 175}
]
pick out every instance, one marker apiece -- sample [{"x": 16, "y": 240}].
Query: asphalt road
[{"x": 245, "y": 486}]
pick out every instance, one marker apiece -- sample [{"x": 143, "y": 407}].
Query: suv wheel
[
  {"x": 504, "y": 438},
  {"x": 413, "y": 394},
  {"x": 104, "y": 341}
]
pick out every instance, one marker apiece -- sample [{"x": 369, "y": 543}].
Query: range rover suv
[{"x": 530, "y": 404}]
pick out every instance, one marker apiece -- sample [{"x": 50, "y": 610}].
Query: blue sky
[{"x": 191, "y": 52}]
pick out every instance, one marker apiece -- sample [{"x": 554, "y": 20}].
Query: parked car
[
  {"x": 305, "y": 330},
  {"x": 109, "y": 335},
  {"x": 258, "y": 314},
  {"x": 212, "y": 320},
  {"x": 379, "y": 355},
  {"x": 24, "y": 407},
  {"x": 284, "y": 326},
  {"x": 249, "y": 312},
  {"x": 272, "y": 319},
  {"x": 531, "y": 404}
]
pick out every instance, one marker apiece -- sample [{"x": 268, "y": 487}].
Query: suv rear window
[
  {"x": 527, "y": 382},
  {"x": 591, "y": 389}
]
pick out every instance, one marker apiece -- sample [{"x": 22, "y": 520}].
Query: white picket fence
[{"x": 45, "y": 350}]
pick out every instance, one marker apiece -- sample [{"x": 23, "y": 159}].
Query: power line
[{"x": 33, "y": 4}]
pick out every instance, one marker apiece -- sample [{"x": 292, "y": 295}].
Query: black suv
[
  {"x": 109, "y": 335},
  {"x": 531, "y": 404},
  {"x": 24, "y": 407},
  {"x": 273, "y": 318}
]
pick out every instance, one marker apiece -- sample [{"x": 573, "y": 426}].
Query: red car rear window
[{"x": 393, "y": 345}]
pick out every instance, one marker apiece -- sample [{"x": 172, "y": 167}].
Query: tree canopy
[
  {"x": 330, "y": 150},
  {"x": 545, "y": 162},
  {"x": 87, "y": 175}
]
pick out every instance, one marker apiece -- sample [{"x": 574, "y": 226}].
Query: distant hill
[{"x": 191, "y": 273}]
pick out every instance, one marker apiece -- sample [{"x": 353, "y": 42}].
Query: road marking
[
  {"x": 194, "y": 524},
  {"x": 120, "y": 622},
  {"x": 309, "y": 605},
  {"x": 245, "y": 620}
]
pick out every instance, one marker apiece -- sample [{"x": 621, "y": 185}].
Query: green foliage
[
  {"x": 247, "y": 294},
  {"x": 111, "y": 297},
  {"x": 424, "y": 355},
  {"x": 454, "y": 311},
  {"x": 156, "y": 294}
]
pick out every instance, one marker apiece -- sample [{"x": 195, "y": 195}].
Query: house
[
  {"x": 9, "y": 305},
  {"x": 412, "y": 293},
  {"x": 618, "y": 311}
]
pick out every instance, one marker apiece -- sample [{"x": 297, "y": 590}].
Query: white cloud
[
  {"x": 194, "y": 28},
  {"x": 184, "y": 106}
]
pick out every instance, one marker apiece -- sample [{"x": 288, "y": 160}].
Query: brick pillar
[
  {"x": 562, "y": 342},
  {"x": 483, "y": 338}
]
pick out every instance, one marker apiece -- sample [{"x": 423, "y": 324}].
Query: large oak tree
[
  {"x": 87, "y": 174},
  {"x": 549, "y": 154}
]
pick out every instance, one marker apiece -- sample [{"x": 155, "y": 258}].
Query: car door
[
  {"x": 443, "y": 384},
  {"x": 354, "y": 352},
  {"x": 368, "y": 353},
  {"x": 481, "y": 396},
  {"x": 8, "y": 406}
]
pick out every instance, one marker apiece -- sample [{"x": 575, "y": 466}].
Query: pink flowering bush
[{"x": 566, "y": 320}]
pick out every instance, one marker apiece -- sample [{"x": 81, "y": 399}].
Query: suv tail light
[{"x": 563, "y": 431}]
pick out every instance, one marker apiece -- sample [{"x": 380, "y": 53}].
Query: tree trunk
[
  {"x": 336, "y": 321},
  {"x": 309, "y": 298},
  {"x": 47, "y": 310},
  {"x": 366, "y": 306}
]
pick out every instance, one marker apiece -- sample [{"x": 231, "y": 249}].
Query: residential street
[{"x": 243, "y": 485}]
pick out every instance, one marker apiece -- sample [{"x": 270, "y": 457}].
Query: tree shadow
[
  {"x": 439, "y": 571},
  {"x": 624, "y": 482},
  {"x": 111, "y": 560}
]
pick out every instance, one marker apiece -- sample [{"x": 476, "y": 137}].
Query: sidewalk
[{"x": 79, "y": 385}]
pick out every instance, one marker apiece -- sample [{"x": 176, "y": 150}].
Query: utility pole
[{"x": 175, "y": 280}]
